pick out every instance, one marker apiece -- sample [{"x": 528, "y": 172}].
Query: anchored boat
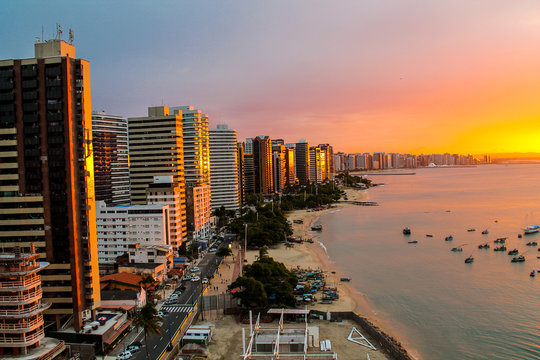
[
  {"x": 406, "y": 231},
  {"x": 469, "y": 260},
  {"x": 520, "y": 258},
  {"x": 531, "y": 229}
]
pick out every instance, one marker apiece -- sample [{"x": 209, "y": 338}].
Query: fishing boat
[
  {"x": 449, "y": 238},
  {"x": 519, "y": 236},
  {"x": 531, "y": 229},
  {"x": 485, "y": 232},
  {"x": 413, "y": 242},
  {"x": 532, "y": 243},
  {"x": 533, "y": 273},
  {"x": 406, "y": 231},
  {"x": 316, "y": 228},
  {"x": 483, "y": 246},
  {"x": 500, "y": 241},
  {"x": 471, "y": 230},
  {"x": 513, "y": 252},
  {"x": 500, "y": 248},
  {"x": 429, "y": 235},
  {"x": 345, "y": 279},
  {"x": 519, "y": 258},
  {"x": 457, "y": 249},
  {"x": 469, "y": 260}
]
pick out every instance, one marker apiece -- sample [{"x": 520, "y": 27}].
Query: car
[
  {"x": 205, "y": 281},
  {"x": 133, "y": 348},
  {"x": 212, "y": 250},
  {"x": 137, "y": 343},
  {"x": 173, "y": 296},
  {"x": 186, "y": 278},
  {"x": 195, "y": 269},
  {"x": 125, "y": 355},
  {"x": 161, "y": 314},
  {"x": 195, "y": 278}
]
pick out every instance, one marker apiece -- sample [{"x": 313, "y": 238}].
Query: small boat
[
  {"x": 500, "y": 248},
  {"x": 513, "y": 252},
  {"x": 520, "y": 236},
  {"x": 533, "y": 273},
  {"x": 469, "y": 260},
  {"x": 500, "y": 241},
  {"x": 413, "y": 242},
  {"x": 471, "y": 230},
  {"x": 520, "y": 258},
  {"x": 345, "y": 279},
  {"x": 429, "y": 235},
  {"x": 485, "y": 232},
  {"x": 316, "y": 228},
  {"x": 483, "y": 246},
  {"x": 532, "y": 243},
  {"x": 457, "y": 249},
  {"x": 406, "y": 231},
  {"x": 531, "y": 229},
  {"x": 449, "y": 238},
  {"x": 300, "y": 221}
]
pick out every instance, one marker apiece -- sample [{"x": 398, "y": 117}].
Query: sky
[{"x": 405, "y": 76}]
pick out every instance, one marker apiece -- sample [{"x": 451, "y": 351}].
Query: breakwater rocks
[{"x": 386, "y": 342}]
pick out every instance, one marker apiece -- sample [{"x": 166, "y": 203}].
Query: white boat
[{"x": 531, "y": 229}]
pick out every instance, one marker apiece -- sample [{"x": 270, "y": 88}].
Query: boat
[
  {"x": 531, "y": 229},
  {"x": 533, "y": 273},
  {"x": 406, "y": 231},
  {"x": 316, "y": 228},
  {"x": 449, "y": 238},
  {"x": 483, "y": 246},
  {"x": 500, "y": 241},
  {"x": 457, "y": 249},
  {"x": 345, "y": 279},
  {"x": 519, "y": 258},
  {"x": 429, "y": 235},
  {"x": 485, "y": 232},
  {"x": 513, "y": 252},
  {"x": 532, "y": 243},
  {"x": 413, "y": 242},
  {"x": 471, "y": 230},
  {"x": 520, "y": 236},
  {"x": 300, "y": 221},
  {"x": 469, "y": 260},
  {"x": 500, "y": 248}
]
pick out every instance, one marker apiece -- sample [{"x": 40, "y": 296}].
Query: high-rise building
[
  {"x": 290, "y": 166},
  {"x": 317, "y": 163},
  {"x": 262, "y": 160},
  {"x": 21, "y": 317},
  {"x": 224, "y": 168},
  {"x": 198, "y": 219},
  {"x": 279, "y": 154},
  {"x": 156, "y": 150},
  {"x": 111, "y": 158},
  {"x": 329, "y": 163},
  {"x": 46, "y": 179},
  {"x": 302, "y": 162},
  {"x": 249, "y": 174},
  {"x": 240, "y": 173}
]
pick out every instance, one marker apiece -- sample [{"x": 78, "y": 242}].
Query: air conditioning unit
[{"x": 86, "y": 315}]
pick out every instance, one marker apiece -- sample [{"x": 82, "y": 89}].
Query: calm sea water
[{"x": 440, "y": 306}]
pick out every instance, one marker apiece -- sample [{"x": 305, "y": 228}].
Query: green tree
[
  {"x": 224, "y": 252},
  {"x": 147, "y": 319}
]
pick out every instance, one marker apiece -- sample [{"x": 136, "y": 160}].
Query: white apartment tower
[{"x": 224, "y": 168}]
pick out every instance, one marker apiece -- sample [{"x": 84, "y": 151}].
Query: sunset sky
[{"x": 393, "y": 76}]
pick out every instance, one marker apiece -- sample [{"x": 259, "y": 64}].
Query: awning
[{"x": 117, "y": 333}]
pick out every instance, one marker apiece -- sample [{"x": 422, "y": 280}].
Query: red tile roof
[{"x": 125, "y": 278}]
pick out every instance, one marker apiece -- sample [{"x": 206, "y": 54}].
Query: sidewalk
[{"x": 227, "y": 272}]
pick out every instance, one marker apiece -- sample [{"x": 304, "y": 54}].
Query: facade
[
  {"x": 329, "y": 163},
  {"x": 47, "y": 186},
  {"x": 317, "y": 164},
  {"x": 198, "y": 199},
  {"x": 262, "y": 161},
  {"x": 21, "y": 309},
  {"x": 157, "y": 254},
  {"x": 111, "y": 158},
  {"x": 121, "y": 228},
  {"x": 302, "y": 162},
  {"x": 249, "y": 174},
  {"x": 224, "y": 180},
  {"x": 240, "y": 173},
  {"x": 164, "y": 191},
  {"x": 279, "y": 155},
  {"x": 156, "y": 149}
]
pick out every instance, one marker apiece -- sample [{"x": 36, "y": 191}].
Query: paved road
[{"x": 178, "y": 312}]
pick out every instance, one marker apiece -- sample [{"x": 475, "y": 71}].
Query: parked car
[
  {"x": 133, "y": 348},
  {"x": 205, "y": 281},
  {"x": 195, "y": 278},
  {"x": 186, "y": 278},
  {"x": 212, "y": 250},
  {"x": 173, "y": 296},
  {"x": 195, "y": 269},
  {"x": 125, "y": 355},
  {"x": 161, "y": 314}
]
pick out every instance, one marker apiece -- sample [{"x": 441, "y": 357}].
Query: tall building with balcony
[
  {"x": 317, "y": 163},
  {"x": 224, "y": 168},
  {"x": 279, "y": 161},
  {"x": 46, "y": 175},
  {"x": 249, "y": 174},
  {"x": 156, "y": 150},
  {"x": 329, "y": 156},
  {"x": 303, "y": 172},
  {"x": 262, "y": 160},
  {"x": 111, "y": 158},
  {"x": 240, "y": 174},
  {"x": 21, "y": 309}
]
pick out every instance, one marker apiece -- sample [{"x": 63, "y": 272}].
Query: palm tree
[{"x": 147, "y": 319}]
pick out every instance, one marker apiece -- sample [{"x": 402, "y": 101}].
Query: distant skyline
[{"x": 396, "y": 76}]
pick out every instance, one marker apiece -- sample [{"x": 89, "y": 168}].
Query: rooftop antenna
[
  {"x": 71, "y": 36},
  {"x": 59, "y": 31},
  {"x": 42, "y": 35}
]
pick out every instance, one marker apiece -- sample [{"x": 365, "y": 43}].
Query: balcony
[
  {"x": 24, "y": 313},
  {"x": 14, "y": 285},
  {"x": 24, "y": 340},
  {"x": 22, "y": 326},
  {"x": 20, "y": 299}
]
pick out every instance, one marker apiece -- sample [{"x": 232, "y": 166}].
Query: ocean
[{"x": 424, "y": 293}]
